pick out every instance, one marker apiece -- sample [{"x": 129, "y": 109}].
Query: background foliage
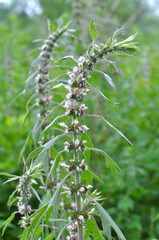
[{"x": 134, "y": 203}]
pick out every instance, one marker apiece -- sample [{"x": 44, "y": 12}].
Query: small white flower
[
  {"x": 69, "y": 95},
  {"x": 64, "y": 165},
  {"x": 72, "y": 160},
  {"x": 84, "y": 128},
  {"x": 86, "y": 167},
  {"x": 37, "y": 101},
  {"x": 67, "y": 104},
  {"x": 80, "y": 78},
  {"x": 75, "y": 122},
  {"x": 70, "y": 227},
  {"x": 82, "y": 163},
  {"x": 67, "y": 144},
  {"x": 73, "y": 205},
  {"x": 68, "y": 88},
  {"x": 82, "y": 189},
  {"x": 79, "y": 149},
  {"x": 71, "y": 75},
  {"x": 49, "y": 98},
  {"x": 77, "y": 142},
  {"x": 84, "y": 141},
  {"x": 62, "y": 124},
  {"x": 75, "y": 69},
  {"x": 81, "y": 218},
  {"x": 29, "y": 208},
  {"x": 81, "y": 59},
  {"x": 39, "y": 115},
  {"x": 21, "y": 208},
  {"x": 83, "y": 107},
  {"x": 66, "y": 148},
  {"x": 91, "y": 211},
  {"x": 24, "y": 224},
  {"x": 62, "y": 204},
  {"x": 89, "y": 186},
  {"x": 77, "y": 169}
]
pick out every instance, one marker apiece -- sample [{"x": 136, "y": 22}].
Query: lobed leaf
[
  {"x": 107, "y": 221},
  {"x": 110, "y": 125},
  {"x": 110, "y": 162},
  {"x": 91, "y": 226}
]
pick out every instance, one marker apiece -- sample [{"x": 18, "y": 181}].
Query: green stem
[{"x": 78, "y": 197}]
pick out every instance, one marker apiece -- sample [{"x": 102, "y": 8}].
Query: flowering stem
[{"x": 78, "y": 197}]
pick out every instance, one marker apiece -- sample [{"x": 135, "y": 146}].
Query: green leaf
[
  {"x": 60, "y": 233},
  {"x": 36, "y": 194},
  {"x": 29, "y": 80},
  {"x": 111, "y": 126},
  {"x": 122, "y": 54},
  {"x": 88, "y": 175},
  {"x": 24, "y": 146},
  {"x": 27, "y": 115},
  {"x": 93, "y": 31},
  {"x": 51, "y": 27},
  {"x": 12, "y": 198},
  {"x": 7, "y": 174},
  {"x": 109, "y": 80},
  {"x": 39, "y": 231},
  {"x": 55, "y": 164},
  {"x": 64, "y": 58},
  {"x": 48, "y": 214},
  {"x": 44, "y": 160},
  {"x": 7, "y": 222},
  {"x": 89, "y": 144},
  {"x": 107, "y": 221},
  {"x": 37, "y": 217},
  {"x": 35, "y": 130},
  {"x": 110, "y": 162},
  {"x": 51, "y": 143},
  {"x": 56, "y": 197},
  {"x": 109, "y": 42},
  {"x": 112, "y": 66},
  {"x": 106, "y": 218},
  {"x": 33, "y": 53},
  {"x": 34, "y": 153},
  {"x": 11, "y": 179},
  {"x": 91, "y": 226},
  {"x": 50, "y": 125},
  {"x": 128, "y": 40},
  {"x": 107, "y": 99},
  {"x": 118, "y": 32},
  {"x": 45, "y": 210},
  {"x": 50, "y": 236}
]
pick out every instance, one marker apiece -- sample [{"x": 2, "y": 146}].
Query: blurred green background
[{"x": 134, "y": 204}]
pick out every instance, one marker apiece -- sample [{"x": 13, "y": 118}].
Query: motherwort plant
[
  {"x": 69, "y": 213},
  {"x": 41, "y": 98},
  {"x": 40, "y": 78}
]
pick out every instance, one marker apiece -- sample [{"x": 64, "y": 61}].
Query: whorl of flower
[
  {"x": 45, "y": 57},
  {"x": 77, "y": 89},
  {"x": 24, "y": 188},
  {"x": 75, "y": 107}
]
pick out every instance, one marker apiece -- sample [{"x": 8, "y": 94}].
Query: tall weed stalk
[{"x": 69, "y": 212}]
